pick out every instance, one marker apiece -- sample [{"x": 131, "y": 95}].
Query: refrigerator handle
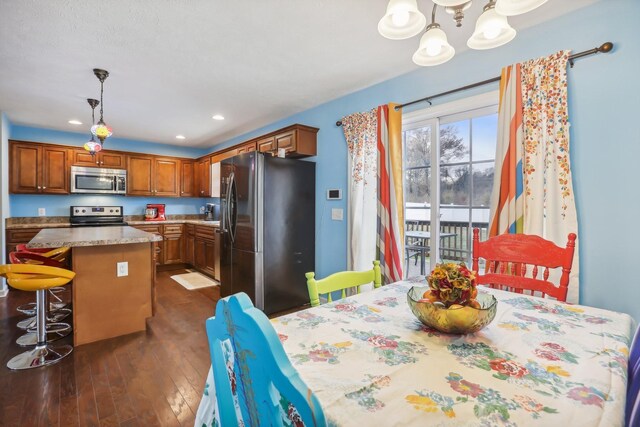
[
  {"x": 223, "y": 212},
  {"x": 230, "y": 219}
]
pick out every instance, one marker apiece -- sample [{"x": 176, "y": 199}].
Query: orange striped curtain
[{"x": 390, "y": 241}]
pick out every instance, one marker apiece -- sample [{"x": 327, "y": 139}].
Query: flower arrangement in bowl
[{"x": 451, "y": 303}]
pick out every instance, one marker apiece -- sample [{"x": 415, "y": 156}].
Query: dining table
[{"x": 540, "y": 362}]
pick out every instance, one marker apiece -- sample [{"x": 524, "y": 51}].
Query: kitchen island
[{"x": 108, "y": 300}]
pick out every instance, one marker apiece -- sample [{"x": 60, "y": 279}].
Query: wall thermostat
[{"x": 334, "y": 194}]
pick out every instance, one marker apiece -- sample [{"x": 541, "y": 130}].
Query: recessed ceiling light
[
  {"x": 75, "y": 122},
  {"x": 218, "y": 117},
  {"x": 181, "y": 137}
]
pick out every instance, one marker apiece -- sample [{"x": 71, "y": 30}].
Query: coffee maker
[
  {"x": 210, "y": 211},
  {"x": 155, "y": 212}
]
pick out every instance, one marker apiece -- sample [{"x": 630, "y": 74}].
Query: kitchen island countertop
[{"x": 90, "y": 236}]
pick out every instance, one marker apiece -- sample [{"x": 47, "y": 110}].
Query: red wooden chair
[{"x": 513, "y": 261}]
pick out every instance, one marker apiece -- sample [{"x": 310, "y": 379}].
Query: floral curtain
[
  {"x": 360, "y": 132},
  {"x": 375, "y": 214},
  {"x": 533, "y": 191}
]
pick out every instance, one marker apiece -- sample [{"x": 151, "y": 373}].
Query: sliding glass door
[{"x": 449, "y": 168}]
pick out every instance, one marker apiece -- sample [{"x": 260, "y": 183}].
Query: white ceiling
[{"x": 175, "y": 63}]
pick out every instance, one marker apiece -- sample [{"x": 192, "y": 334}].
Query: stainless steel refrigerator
[{"x": 267, "y": 229}]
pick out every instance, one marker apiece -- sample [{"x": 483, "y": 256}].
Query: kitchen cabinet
[
  {"x": 246, "y": 148},
  {"x": 173, "y": 250},
  {"x": 166, "y": 177},
  {"x": 153, "y": 176},
  {"x": 203, "y": 177},
  {"x": 189, "y": 244},
  {"x": 297, "y": 141},
  {"x": 104, "y": 159},
  {"x": 38, "y": 168},
  {"x": 187, "y": 181},
  {"x": 206, "y": 253}
]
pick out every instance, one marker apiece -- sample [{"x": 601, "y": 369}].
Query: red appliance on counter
[{"x": 155, "y": 212}]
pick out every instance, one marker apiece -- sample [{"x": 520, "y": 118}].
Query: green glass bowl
[{"x": 463, "y": 320}]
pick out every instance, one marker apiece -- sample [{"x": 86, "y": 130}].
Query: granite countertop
[
  {"x": 63, "y": 222},
  {"x": 177, "y": 221},
  {"x": 90, "y": 236}
]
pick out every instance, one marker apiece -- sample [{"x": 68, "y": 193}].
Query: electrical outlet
[
  {"x": 42, "y": 212},
  {"x": 201, "y": 209},
  {"x": 337, "y": 214},
  {"x": 123, "y": 269}
]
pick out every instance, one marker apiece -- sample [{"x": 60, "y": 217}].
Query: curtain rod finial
[{"x": 606, "y": 47}]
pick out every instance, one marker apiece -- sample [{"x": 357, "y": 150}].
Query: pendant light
[
  {"x": 101, "y": 130},
  {"x": 92, "y": 146},
  {"x": 492, "y": 30},
  {"x": 434, "y": 48},
  {"x": 517, "y": 7},
  {"x": 402, "y": 20}
]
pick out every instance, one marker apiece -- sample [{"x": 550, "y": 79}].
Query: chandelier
[
  {"x": 100, "y": 130},
  {"x": 403, "y": 20}
]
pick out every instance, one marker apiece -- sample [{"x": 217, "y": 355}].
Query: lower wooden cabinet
[
  {"x": 195, "y": 245},
  {"x": 17, "y": 237}
]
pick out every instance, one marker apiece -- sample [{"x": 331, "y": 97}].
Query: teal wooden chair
[
  {"x": 255, "y": 384},
  {"x": 341, "y": 281}
]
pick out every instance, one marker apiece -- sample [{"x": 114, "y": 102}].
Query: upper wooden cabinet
[
  {"x": 153, "y": 176},
  {"x": 38, "y": 168},
  {"x": 187, "y": 181},
  {"x": 297, "y": 141},
  {"x": 139, "y": 175},
  {"x": 203, "y": 177},
  {"x": 103, "y": 159},
  {"x": 166, "y": 175}
]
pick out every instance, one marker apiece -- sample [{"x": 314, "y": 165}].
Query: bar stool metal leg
[{"x": 43, "y": 354}]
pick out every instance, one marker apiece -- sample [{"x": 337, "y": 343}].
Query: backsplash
[{"x": 26, "y": 205}]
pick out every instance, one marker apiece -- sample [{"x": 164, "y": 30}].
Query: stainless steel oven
[{"x": 98, "y": 180}]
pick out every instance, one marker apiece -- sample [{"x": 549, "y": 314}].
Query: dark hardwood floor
[{"x": 152, "y": 378}]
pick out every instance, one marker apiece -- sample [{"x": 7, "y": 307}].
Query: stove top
[{"x": 96, "y": 216}]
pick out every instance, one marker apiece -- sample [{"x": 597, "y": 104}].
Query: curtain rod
[{"x": 604, "y": 48}]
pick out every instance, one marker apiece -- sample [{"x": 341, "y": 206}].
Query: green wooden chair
[{"x": 341, "y": 281}]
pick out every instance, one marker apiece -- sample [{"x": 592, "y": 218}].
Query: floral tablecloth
[{"x": 540, "y": 362}]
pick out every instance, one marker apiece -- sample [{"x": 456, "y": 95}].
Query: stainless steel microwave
[{"x": 98, "y": 180}]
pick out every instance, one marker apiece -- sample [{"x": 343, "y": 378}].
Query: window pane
[
  {"x": 482, "y": 183},
  {"x": 454, "y": 231},
  {"x": 417, "y": 147},
  {"x": 417, "y": 187},
  {"x": 454, "y": 142},
  {"x": 485, "y": 135},
  {"x": 454, "y": 185}
]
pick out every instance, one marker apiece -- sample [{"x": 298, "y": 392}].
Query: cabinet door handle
[{"x": 44, "y": 188}]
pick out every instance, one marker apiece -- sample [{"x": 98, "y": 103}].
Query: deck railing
[{"x": 454, "y": 248}]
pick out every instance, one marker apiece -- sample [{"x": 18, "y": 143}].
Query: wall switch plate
[
  {"x": 123, "y": 269},
  {"x": 42, "y": 212},
  {"x": 201, "y": 209},
  {"x": 337, "y": 214}
]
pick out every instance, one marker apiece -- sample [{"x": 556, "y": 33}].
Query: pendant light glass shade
[
  {"x": 517, "y": 7},
  {"x": 101, "y": 131},
  {"x": 402, "y": 20},
  {"x": 492, "y": 30},
  {"x": 92, "y": 147},
  {"x": 434, "y": 48}
]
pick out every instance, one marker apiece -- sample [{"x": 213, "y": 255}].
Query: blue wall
[
  {"x": 604, "y": 105},
  {"x": 27, "y": 205}
]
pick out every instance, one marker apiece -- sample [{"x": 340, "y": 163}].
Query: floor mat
[{"x": 194, "y": 280}]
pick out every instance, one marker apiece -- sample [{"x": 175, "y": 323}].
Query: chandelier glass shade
[
  {"x": 402, "y": 20},
  {"x": 434, "y": 48},
  {"x": 101, "y": 130},
  {"x": 492, "y": 30},
  {"x": 92, "y": 146},
  {"x": 517, "y": 7}
]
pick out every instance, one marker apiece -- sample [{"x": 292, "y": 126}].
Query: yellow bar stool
[
  {"x": 58, "y": 309},
  {"x": 38, "y": 278}
]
